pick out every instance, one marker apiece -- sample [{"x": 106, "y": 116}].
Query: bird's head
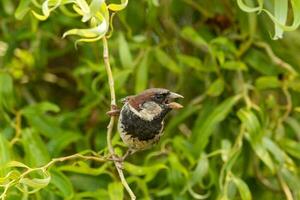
[{"x": 153, "y": 103}]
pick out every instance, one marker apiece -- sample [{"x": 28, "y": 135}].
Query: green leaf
[
  {"x": 22, "y": 9},
  {"x": 234, "y": 65},
  {"x": 36, "y": 152},
  {"x": 47, "y": 9},
  {"x": 291, "y": 178},
  {"x": 200, "y": 171},
  {"x": 36, "y": 183},
  {"x": 247, "y": 8},
  {"x": 84, "y": 168},
  {"x": 142, "y": 186},
  {"x": 250, "y": 121},
  {"x": 255, "y": 137},
  {"x": 166, "y": 61},
  {"x": 37, "y": 117},
  {"x": 42, "y": 107},
  {"x": 267, "y": 82},
  {"x": 124, "y": 52},
  {"x": 97, "y": 194},
  {"x": 8, "y": 7},
  {"x": 280, "y": 13},
  {"x": 294, "y": 124},
  {"x": 227, "y": 168},
  {"x": 11, "y": 175},
  {"x": 192, "y": 62},
  {"x": 121, "y": 77},
  {"x": 115, "y": 191},
  {"x": 294, "y": 84},
  {"x": 177, "y": 174},
  {"x": 14, "y": 163},
  {"x": 176, "y": 164},
  {"x": 95, "y": 6},
  {"x": 243, "y": 188},
  {"x": 291, "y": 147},
  {"x": 94, "y": 33},
  {"x": 261, "y": 63},
  {"x": 6, "y": 92},
  {"x": 226, "y": 149},
  {"x": 275, "y": 150},
  {"x": 149, "y": 171},
  {"x": 142, "y": 74},
  {"x": 216, "y": 88},
  {"x": 84, "y": 10},
  {"x": 59, "y": 143},
  {"x": 205, "y": 127},
  {"x": 62, "y": 183},
  {"x": 190, "y": 34},
  {"x": 184, "y": 147},
  {"x": 5, "y": 155},
  {"x": 117, "y": 7}
]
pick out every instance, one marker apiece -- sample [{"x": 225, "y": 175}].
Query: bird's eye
[{"x": 159, "y": 97}]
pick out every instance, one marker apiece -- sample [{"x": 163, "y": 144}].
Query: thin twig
[
  {"x": 289, "y": 105},
  {"x": 276, "y": 60},
  {"x": 112, "y": 118},
  {"x": 74, "y": 156},
  {"x": 197, "y": 7},
  {"x": 16, "y": 180},
  {"x": 17, "y": 128}
]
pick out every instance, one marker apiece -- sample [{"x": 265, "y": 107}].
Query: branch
[
  {"x": 276, "y": 60},
  {"x": 16, "y": 179},
  {"x": 112, "y": 118}
]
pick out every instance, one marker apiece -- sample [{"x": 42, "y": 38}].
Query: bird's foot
[
  {"x": 114, "y": 111},
  {"x": 119, "y": 165},
  {"x": 118, "y": 161}
]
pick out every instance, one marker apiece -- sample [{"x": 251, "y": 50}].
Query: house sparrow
[{"x": 141, "y": 120}]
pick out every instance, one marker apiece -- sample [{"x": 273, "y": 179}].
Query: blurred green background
[{"x": 238, "y": 136}]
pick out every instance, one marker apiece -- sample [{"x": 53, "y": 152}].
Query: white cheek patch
[{"x": 149, "y": 110}]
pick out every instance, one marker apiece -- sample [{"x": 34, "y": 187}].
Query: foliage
[{"x": 237, "y": 137}]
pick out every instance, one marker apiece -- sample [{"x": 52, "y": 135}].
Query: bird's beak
[
  {"x": 174, "y": 105},
  {"x": 174, "y": 95}
]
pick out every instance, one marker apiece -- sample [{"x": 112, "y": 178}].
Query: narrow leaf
[
  {"x": 205, "y": 128},
  {"x": 216, "y": 88},
  {"x": 243, "y": 188},
  {"x": 5, "y": 155},
  {"x": 142, "y": 74},
  {"x": 117, "y": 7},
  {"x": 234, "y": 65},
  {"x": 255, "y": 136},
  {"x": 267, "y": 82},
  {"x": 35, "y": 150},
  {"x": 115, "y": 191},
  {"x": 280, "y": 12},
  {"x": 190, "y": 34},
  {"x": 62, "y": 183},
  {"x": 166, "y": 61},
  {"x": 124, "y": 52},
  {"x": 22, "y": 9}
]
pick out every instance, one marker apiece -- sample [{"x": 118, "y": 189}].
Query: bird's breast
[{"x": 136, "y": 127}]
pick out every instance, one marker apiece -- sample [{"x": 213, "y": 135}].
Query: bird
[{"x": 141, "y": 118}]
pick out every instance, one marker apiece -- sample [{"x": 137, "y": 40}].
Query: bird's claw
[
  {"x": 118, "y": 161},
  {"x": 114, "y": 111},
  {"x": 120, "y": 165}
]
